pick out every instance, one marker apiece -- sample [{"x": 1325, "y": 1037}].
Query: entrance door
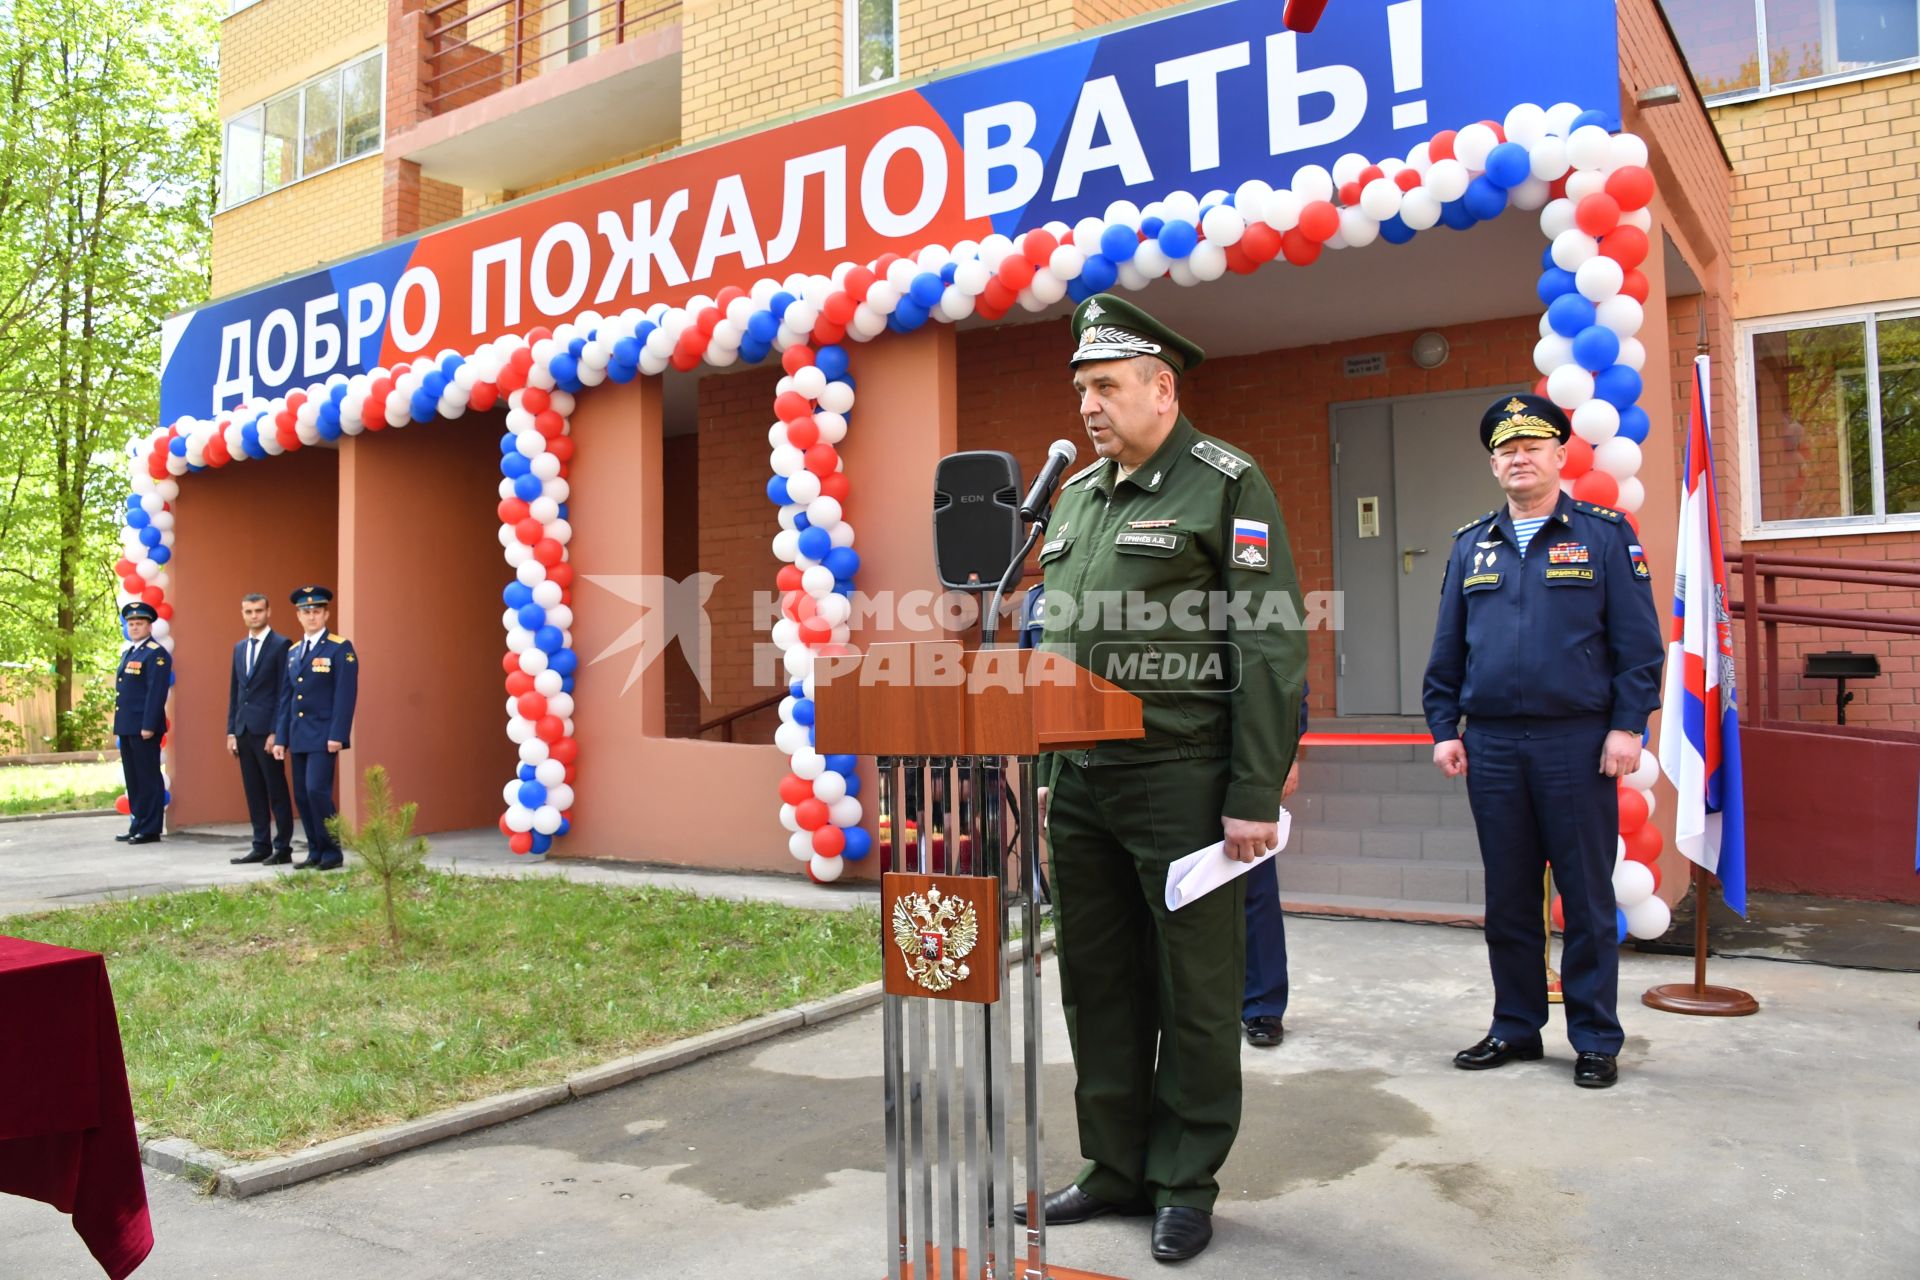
[{"x": 1417, "y": 465}]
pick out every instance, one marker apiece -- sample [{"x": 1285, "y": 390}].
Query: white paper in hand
[{"x": 1204, "y": 870}]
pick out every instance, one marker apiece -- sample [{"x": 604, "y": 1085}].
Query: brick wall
[
  {"x": 327, "y": 216},
  {"x": 750, "y": 61},
  {"x": 276, "y": 44}
]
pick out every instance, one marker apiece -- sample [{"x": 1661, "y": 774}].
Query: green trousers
[{"x": 1152, "y": 996}]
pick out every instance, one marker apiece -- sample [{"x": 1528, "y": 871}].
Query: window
[
  {"x": 1835, "y": 411},
  {"x": 1804, "y": 41},
  {"x": 871, "y": 27},
  {"x": 329, "y": 120}
]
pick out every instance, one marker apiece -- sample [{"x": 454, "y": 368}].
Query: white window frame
[
  {"x": 850, "y": 50},
  {"x": 1768, "y": 89},
  {"x": 1753, "y": 521},
  {"x": 337, "y": 72}
]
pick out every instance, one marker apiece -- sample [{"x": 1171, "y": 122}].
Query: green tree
[{"x": 108, "y": 153}]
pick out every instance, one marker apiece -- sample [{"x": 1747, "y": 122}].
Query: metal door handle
[{"x": 1406, "y": 557}]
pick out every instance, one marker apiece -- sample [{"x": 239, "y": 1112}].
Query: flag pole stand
[{"x": 1697, "y": 997}]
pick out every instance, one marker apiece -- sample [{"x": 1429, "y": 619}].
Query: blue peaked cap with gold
[
  {"x": 1523, "y": 417},
  {"x": 140, "y": 609},
  {"x": 316, "y": 597}
]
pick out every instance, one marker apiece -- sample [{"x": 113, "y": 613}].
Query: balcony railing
[{"x": 476, "y": 48}]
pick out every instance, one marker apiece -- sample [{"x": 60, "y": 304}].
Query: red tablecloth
[{"x": 66, "y": 1120}]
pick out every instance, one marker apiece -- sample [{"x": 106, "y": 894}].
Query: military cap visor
[
  {"x": 312, "y": 597},
  {"x": 1110, "y": 328},
  {"x": 140, "y": 610},
  {"x": 1525, "y": 417}
]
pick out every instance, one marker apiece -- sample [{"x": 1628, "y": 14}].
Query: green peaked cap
[{"x": 1110, "y": 328}]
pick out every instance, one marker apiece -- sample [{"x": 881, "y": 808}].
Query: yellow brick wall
[
  {"x": 328, "y": 216},
  {"x": 275, "y": 44},
  {"x": 1826, "y": 195}
]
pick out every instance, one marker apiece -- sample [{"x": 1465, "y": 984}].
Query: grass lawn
[
  {"x": 55, "y": 788},
  {"x": 265, "y": 1019}
]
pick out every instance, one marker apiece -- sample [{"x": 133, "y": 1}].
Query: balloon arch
[{"x": 1589, "y": 184}]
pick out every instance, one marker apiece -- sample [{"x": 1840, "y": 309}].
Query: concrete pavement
[{"x": 1774, "y": 1146}]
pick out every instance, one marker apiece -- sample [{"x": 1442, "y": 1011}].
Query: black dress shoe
[
  {"x": 257, "y": 855},
  {"x": 143, "y": 839},
  {"x": 1595, "y": 1071},
  {"x": 279, "y": 858},
  {"x": 123, "y": 837},
  {"x": 1495, "y": 1052},
  {"x": 1180, "y": 1232},
  {"x": 1070, "y": 1205},
  {"x": 1264, "y": 1032},
  {"x": 307, "y": 864},
  {"x": 335, "y": 865}
]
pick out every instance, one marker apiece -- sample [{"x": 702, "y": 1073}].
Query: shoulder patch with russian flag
[
  {"x": 1639, "y": 555},
  {"x": 1250, "y": 549}
]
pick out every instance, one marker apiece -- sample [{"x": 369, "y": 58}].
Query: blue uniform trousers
[
  {"x": 1537, "y": 799},
  {"x": 1265, "y": 995},
  {"x": 313, "y": 792},
  {"x": 146, "y": 792}
]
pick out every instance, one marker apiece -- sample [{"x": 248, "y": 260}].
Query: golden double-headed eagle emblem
[{"x": 935, "y": 932}]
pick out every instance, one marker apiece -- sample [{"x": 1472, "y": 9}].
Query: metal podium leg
[
  {"x": 892, "y": 1036},
  {"x": 992, "y": 848},
  {"x": 920, "y": 1173},
  {"x": 975, "y": 1150},
  {"x": 947, "y": 1192},
  {"x": 1030, "y": 993}
]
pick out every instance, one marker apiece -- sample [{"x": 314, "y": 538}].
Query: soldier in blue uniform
[
  {"x": 315, "y": 720},
  {"x": 1548, "y": 643},
  {"x": 139, "y": 721}
]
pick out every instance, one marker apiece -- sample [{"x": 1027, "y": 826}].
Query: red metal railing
[
  {"x": 1759, "y": 576},
  {"x": 475, "y": 48}
]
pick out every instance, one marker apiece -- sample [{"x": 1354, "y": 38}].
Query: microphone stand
[{"x": 991, "y": 623}]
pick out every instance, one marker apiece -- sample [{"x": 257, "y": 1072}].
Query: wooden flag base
[
  {"x": 959, "y": 1271},
  {"x": 1697, "y": 997}
]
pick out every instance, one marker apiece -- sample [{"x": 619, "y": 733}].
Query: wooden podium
[{"x": 949, "y": 726}]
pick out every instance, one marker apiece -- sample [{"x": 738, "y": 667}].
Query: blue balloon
[
  {"x": 509, "y": 443},
  {"x": 422, "y": 406},
  {"x": 949, "y": 272},
  {"x": 565, "y": 661},
  {"x": 177, "y": 446},
  {"x": 1570, "y": 314},
  {"x": 1546, "y": 258},
  {"x": 566, "y": 682},
  {"x": 527, "y": 773},
  {"x": 160, "y": 555},
  {"x": 1077, "y": 289},
  {"x": 763, "y": 326},
  {"x": 815, "y": 543},
  {"x": 1596, "y": 348},
  {"x": 1605, "y": 119},
  {"x": 1395, "y": 230},
  {"x": 1555, "y": 283},
  {"x": 777, "y": 491},
  {"x": 926, "y": 289},
  {"x": 338, "y": 391},
  {"x": 150, "y": 536},
  {"x": 1099, "y": 273},
  {"x": 1619, "y": 927},
  {"x": 250, "y": 441},
  {"x": 622, "y": 371},
  {"x": 842, "y": 562},
  {"x": 137, "y": 517},
  {"x": 844, "y": 586},
  {"x": 518, "y": 595},
  {"x": 803, "y": 711},
  {"x": 627, "y": 350},
  {"x": 514, "y": 465},
  {"x": 1485, "y": 198},
  {"x": 797, "y": 689},
  {"x": 434, "y": 383},
  {"x": 566, "y": 825},
  {"x": 531, "y": 616},
  {"x": 541, "y": 843},
  {"x": 907, "y": 316},
  {"x": 843, "y": 763},
  {"x": 779, "y": 303},
  {"x": 575, "y": 347},
  {"x": 1618, "y": 386},
  {"x": 565, "y": 370},
  {"x": 1119, "y": 242},
  {"x": 1508, "y": 165},
  {"x": 549, "y": 639},
  {"x": 1177, "y": 238},
  {"x": 859, "y": 844},
  {"x": 1635, "y": 424},
  {"x": 800, "y": 522},
  {"x": 450, "y": 364},
  {"x": 528, "y": 487},
  {"x": 533, "y": 794},
  {"x": 832, "y": 360},
  {"x": 754, "y": 350},
  {"x": 1152, "y": 227},
  {"x": 1457, "y": 215},
  {"x": 853, "y": 784}
]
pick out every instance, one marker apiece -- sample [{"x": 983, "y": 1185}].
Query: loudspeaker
[{"x": 976, "y": 518}]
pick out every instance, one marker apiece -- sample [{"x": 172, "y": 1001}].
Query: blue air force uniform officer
[
  {"x": 1548, "y": 643},
  {"x": 315, "y": 720},
  {"x": 139, "y": 721}
]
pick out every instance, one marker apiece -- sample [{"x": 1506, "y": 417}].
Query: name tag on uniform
[
  {"x": 1567, "y": 553},
  {"x": 1563, "y": 575},
  {"x": 322, "y": 666},
  {"x": 1480, "y": 580},
  {"x": 133, "y": 668},
  {"x": 1158, "y": 541},
  {"x": 1056, "y": 545}
]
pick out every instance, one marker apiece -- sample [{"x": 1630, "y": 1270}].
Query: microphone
[{"x": 1060, "y": 456}]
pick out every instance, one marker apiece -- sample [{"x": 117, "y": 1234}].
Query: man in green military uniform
[{"x": 1167, "y": 571}]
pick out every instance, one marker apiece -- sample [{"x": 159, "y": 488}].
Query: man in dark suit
[
  {"x": 253, "y": 699},
  {"x": 315, "y": 720},
  {"x": 140, "y": 721}
]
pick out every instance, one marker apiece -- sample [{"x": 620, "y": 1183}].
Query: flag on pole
[{"x": 1699, "y": 713}]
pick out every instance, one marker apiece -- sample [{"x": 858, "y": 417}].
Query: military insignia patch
[
  {"x": 1567, "y": 553},
  {"x": 1151, "y": 524},
  {"x": 1639, "y": 555},
  {"x": 1095, "y": 310},
  {"x": 134, "y": 668},
  {"x": 1250, "y": 539},
  {"x": 1056, "y": 545},
  {"x": 322, "y": 666},
  {"x": 1480, "y": 580},
  {"x": 935, "y": 932},
  {"x": 1219, "y": 459}
]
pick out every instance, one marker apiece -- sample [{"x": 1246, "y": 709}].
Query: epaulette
[
  {"x": 1220, "y": 459},
  {"x": 335, "y": 638},
  {"x": 1476, "y": 522},
  {"x": 154, "y": 644},
  {"x": 1594, "y": 509},
  {"x": 1087, "y": 470}
]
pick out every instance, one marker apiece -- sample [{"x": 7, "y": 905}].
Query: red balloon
[
  {"x": 708, "y": 320},
  {"x": 1636, "y": 287},
  {"x": 483, "y": 397},
  {"x": 122, "y": 568},
  {"x": 829, "y": 840},
  {"x": 858, "y": 281},
  {"x": 521, "y": 842},
  {"x": 1653, "y": 866},
  {"x": 510, "y": 663},
  {"x": 549, "y": 424},
  {"x": 1372, "y": 173},
  {"x": 550, "y": 728},
  {"x": 165, "y": 611},
  {"x": 826, "y": 332},
  {"x": 123, "y": 805},
  {"x": 561, "y": 449},
  {"x": 835, "y": 486},
  {"x": 1597, "y": 487},
  {"x": 811, "y": 814},
  {"x": 566, "y": 750},
  {"x": 512, "y": 511},
  {"x": 531, "y": 705},
  {"x": 505, "y": 830},
  {"x": 1559, "y": 913},
  {"x": 133, "y": 584},
  {"x": 795, "y": 789},
  {"x": 1239, "y": 262},
  {"x": 1299, "y": 249},
  {"x": 803, "y": 433},
  {"x": 788, "y": 579},
  {"x": 1039, "y": 246},
  {"x": 518, "y": 681},
  {"x": 1644, "y": 842},
  {"x": 548, "y": 552},
  {"x": 822, "y": 459},
  {"x": 996, "y": 296},
  {"x": 1350, "y": 194},
  {"x": 728, "y": 296},
  {"x": 1441, "y": 148},
  {"x": 1598, "y": 214},
  {"x": 1016, "y": 272},
  {"x": 528, "y": 530},
  {"x": 1319, "y": 222},
  {"x": 1627, "y": 246},
  {"x": 1631, "y": 186},
  {"x": 1261, "y": 242},
  {"x": 796, "y": 358},
  {"x": 791, "y": 406},
  {"x": 1579, "y": 458},
  {"x": 288, "y": 437},
  {"x": 790, "y": 604},
  {"x": 839, "y": 307},
  {"x": 535, "y": 400},
  {"x": 1633, "y": 810},
  {"x": 561, "y": 575},
  {"x": 153, "y": 596},
  {"x": 815, "y": 631},
  {"x": 1407, "y": 179}
]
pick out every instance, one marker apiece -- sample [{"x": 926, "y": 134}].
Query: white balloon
[
  {"x": 546, "y": 819},
  {"x": 548, "y": 682},
  {"x": 1067, "y": 262},
  {"x": 826, "y": 870},
  {"x": 824, "y": 512},
  {"x": 1381, "y": 198},
  {"x": 1526, "y": 124},
  {"x": 519, "y": 817},
  {"x": 1281, "y": 210},
  {"x": 790, "y": 737},
  {"x": 1548, "y": 159},
  {"x": 1551, "y": 352},
  {"x": 1560, "y": 117},
  {"x": 845, "y": 812},
  {"x": 833, "y": 608},
  {"x": 1596, "y": 421},
  {"x": 1650, "y": 919},
  {"x": 1599, "y": 278},
  {"x": 1311, "y": 183},
  {"x": 1347, "y": 168},
  {"x": 1641, "y": 218},
  {"x": 1570, "y": 386},
  {"x": 1150, "y": 260},
  {"x": 1632, "y": 885},
  {"x": 803, "y": 486},
  {"x": 788, "y": 818},
  {"x": 810, "y": 382},
  {"x": 786, "y": 545},
  {"x": 1249, "y": 197},
  {"x": 1589, "y": 147},
  {"x": 1621, "y": 313},
  {"x": 1644, "y": 774},
  {"x": 1532, "y": 194},
  {"x": 1582, "y": 183},
  {"x": 1448, "y": 180},
  {"x": 533, "y": 661},
  {"x": 1633, "y": 354},
  {"x": 1573, "y": 249},
  {"x": 1224, "y": 225},
  {"x": 533, "y": 751},
  {"x": 800, "y": 845},
  {"x": 808, "y": 765},
  {"x": 511, "y": 792},
  {"x": 1652, "y": 804},
  {"x": 1357, "y": 228},
  {"x": 817, "y": 581},
  {"x": 1618, "y": 457},
  {"x": 1625, "y": 150},
  {"x": 1633, "y": 495},
  {"x": 829, "y": 786},
  {"x": 798, "y": 662},
  {"x": 837, "y": 398},
  {"x": 833, "y": 426},
  {"x": 1420, "y": 209},
  {"x": 549, "y": 773},
  {"x": 1473, "y": 144},
  {"x": 1208, "y": 261}
]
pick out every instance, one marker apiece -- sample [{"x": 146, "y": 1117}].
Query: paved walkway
[{"x": 1774, "y": 1146}]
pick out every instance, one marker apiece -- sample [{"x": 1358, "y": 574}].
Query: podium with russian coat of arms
[{"x": 956, "y": 734}]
